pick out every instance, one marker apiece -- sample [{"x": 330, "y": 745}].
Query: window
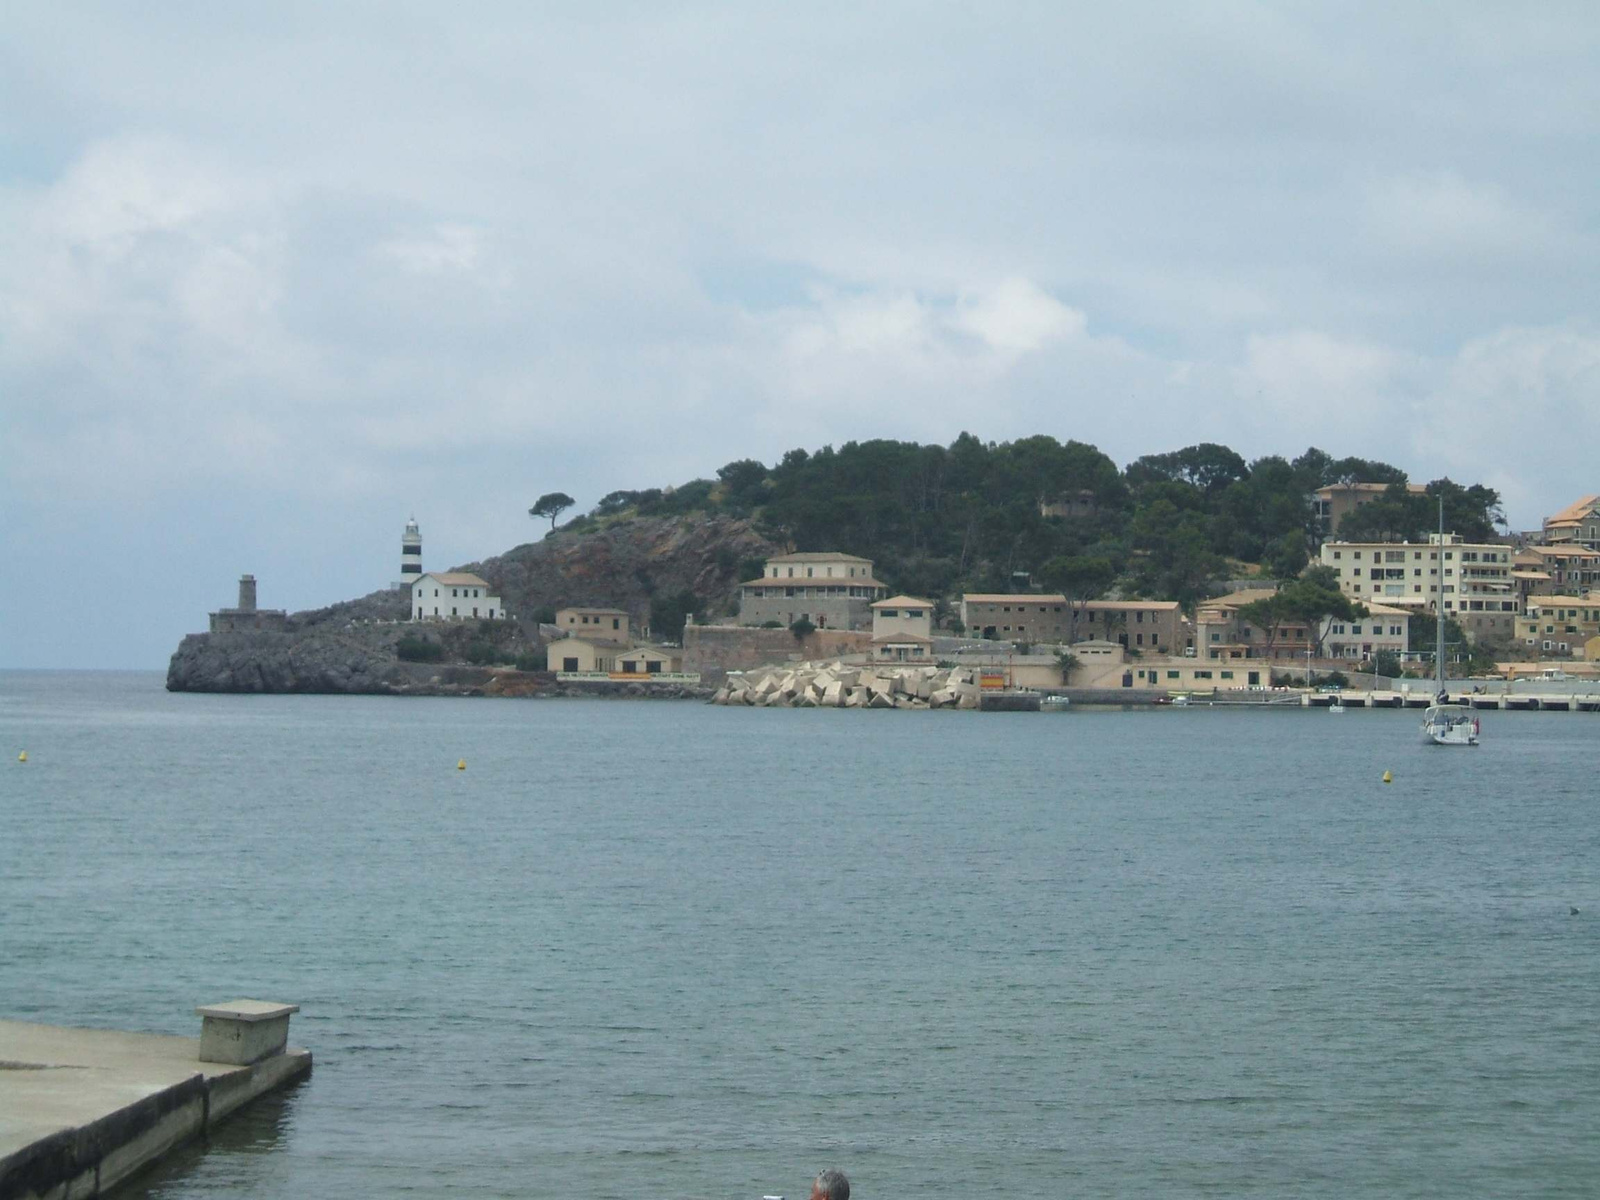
[
  {"x": 1172, "y": 674},
  {"x": 1202, "y": 674},
  {"x": 1227, "y": 674},
  {"x": 569, "y": 664}
]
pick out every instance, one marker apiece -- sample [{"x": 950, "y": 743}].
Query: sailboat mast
[{"x": 1438, "y": 653}]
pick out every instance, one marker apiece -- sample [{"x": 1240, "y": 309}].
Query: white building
[
  {"x": 1472, "y": 580},
  {"x": 1384, "y": 628},
  {"x": 454, "y": 596}
]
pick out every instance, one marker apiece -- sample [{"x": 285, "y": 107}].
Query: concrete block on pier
[{"x": 242, "y": 1032}]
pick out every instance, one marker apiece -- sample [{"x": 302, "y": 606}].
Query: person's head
[{"x": 830, "y": 1185}]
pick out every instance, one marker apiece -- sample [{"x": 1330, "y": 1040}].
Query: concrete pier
[{"x": 82, "y": 1109}]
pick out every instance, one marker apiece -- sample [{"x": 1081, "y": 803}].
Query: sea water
[{"x": 665, "y": 949}]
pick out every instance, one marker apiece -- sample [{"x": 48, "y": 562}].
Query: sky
[{"x": 275, "y": 278}]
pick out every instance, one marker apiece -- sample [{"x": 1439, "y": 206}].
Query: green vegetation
[
  {"x": 668, "y": 614},
  {"x": 995, "y": 516},
  {"x": 1387, "y": 664},
  {"x": 412, "y": 648},
  {"x": 802, "y": 628},
  {"x": 1309, "y": 600},
  {"x": 552, "y": 505}
]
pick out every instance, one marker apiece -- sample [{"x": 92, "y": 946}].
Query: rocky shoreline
[{"x": 361, "y": 661}]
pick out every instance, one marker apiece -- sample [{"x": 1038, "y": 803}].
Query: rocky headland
[{"x": 353, "y": 647}]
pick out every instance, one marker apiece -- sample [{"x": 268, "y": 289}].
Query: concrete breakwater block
[
  {"x": 242, "y": 1032},
  {"x": 838, "y": 685}
]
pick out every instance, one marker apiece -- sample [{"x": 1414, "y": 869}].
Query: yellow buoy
[
  {"x": 23, "y": 757},
  {"x": 462, "y": 765},
  {"x": 1388, "y": 777}
]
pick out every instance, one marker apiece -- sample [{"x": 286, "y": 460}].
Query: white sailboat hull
[{"x": 1450, "y": 725}]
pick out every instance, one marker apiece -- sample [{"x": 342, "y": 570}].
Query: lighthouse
[{"x": 410, "y": 554}]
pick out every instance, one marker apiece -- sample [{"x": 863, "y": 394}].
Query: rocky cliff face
[
  {"x": 350, "y": 646},
  {"x": 626, "y": 563}
]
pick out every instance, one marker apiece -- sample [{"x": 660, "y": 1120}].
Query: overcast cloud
[{"x": 273, "y": 278}]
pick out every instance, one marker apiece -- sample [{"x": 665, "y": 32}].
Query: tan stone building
[
  {"x": 831, "y": 590},
  {"x": 591, "y": 655},
  {"x": 1576, "y": 525},
  {"x": 1568, "y": 567},
  {"x": 582, "y": 654},
  {"x": 1149, "y": 626},
  {"x": 902, "y": 629},
  {"x": 1220, "y": 632},
  {"x": 1559, "y": 626},
  {"x": 596, "y": 624},
  {"x": 1333, "y": 503}
]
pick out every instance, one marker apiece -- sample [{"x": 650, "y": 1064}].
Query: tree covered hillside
[{"x": 985, "y": 516}]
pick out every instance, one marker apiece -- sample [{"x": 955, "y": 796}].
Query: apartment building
[
  {"x": 1472, "y": 580},
  {"x": 1576, "y": 525},
  {"x": 1558, "y": 626}
]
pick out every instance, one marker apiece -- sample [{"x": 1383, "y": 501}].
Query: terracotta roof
[
  {"x": 1574, "y": 512},
  {"x": 455, "y": 579},
  {"x": 609, "y": 612},
  {"x": 1564, "y": 551},
  {"x": 902, "y": 602}
]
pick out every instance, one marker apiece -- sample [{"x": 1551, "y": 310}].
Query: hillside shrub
[{"x": 412, "y": 648}]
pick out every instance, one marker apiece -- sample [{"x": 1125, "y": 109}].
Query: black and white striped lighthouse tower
[{"x": 411, "y": 553}]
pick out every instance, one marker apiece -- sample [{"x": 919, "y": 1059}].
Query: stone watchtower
[
  {"x": 410, "y": 554},
  {"x": 247, "y": 617}
]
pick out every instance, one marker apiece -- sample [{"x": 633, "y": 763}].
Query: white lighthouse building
[{"x": 410, "y": 554}]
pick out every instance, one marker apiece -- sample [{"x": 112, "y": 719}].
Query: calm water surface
[{"x": 660, "y": 949}]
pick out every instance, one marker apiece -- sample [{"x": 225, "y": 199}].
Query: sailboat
[{"x": 1446, "y": 724}]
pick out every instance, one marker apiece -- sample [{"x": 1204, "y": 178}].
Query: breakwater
[{"x": 838, "y": 685}]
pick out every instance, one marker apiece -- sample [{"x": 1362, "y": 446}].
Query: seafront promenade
[{"x": 83, "y": 1109}]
